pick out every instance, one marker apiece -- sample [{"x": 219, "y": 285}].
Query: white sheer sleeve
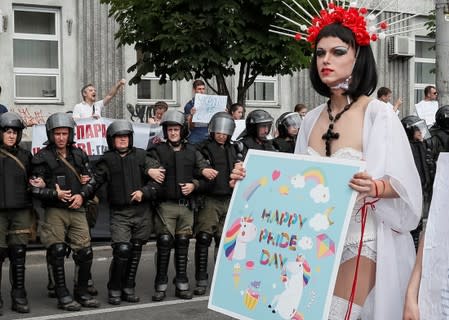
[{"x": 388, "y": 155}]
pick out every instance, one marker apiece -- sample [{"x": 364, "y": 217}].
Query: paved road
[{"x": 44, "y": 308}]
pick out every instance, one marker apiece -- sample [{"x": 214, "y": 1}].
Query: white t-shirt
[
  {"x": 426, "y": 110},
  {"x": 84, "y": 110}
]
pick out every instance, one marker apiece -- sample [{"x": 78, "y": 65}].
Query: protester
[
  {"x": 65, "y": 170},
  {"x": 3, "y": 109},
  {"x": 287, "y": 125},
  {"x": 90, "y": 107},
  {"x": 209, "y": 222},
  {"x": 427, "y": 107},
  {"x": 160, "y": 108},
  {"x": 129, "y": 218},
  {"x": 198, "y": 130},
  {"x": 370, "y": 283},
  {"x": 181, "y": 167},
  {"x": 384, "y": 95},
  {"x": 15, "y": 206},
  {"x": 301, "y": 109},
  {"x": 237, "y": 111}
]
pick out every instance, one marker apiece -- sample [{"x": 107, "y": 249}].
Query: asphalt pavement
[{"x": 44, "y": 308}]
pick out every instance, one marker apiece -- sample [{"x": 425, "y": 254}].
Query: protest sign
[
  {"x": 283, "y": 237},
  {"x": 207, "y": 105},
  {"x": 90, "y": 135}
]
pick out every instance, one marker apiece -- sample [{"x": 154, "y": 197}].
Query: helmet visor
[
  {"x": 420, "y": 129},
  {"x": 293, "y": 120}
]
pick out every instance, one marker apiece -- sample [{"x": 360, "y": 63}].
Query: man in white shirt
[
  {"x": 384, "y": 94},
  {"x": 90, "y": 107},
  {"x": 427, "y": 108}
]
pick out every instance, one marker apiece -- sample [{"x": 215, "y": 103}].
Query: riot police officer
[
  {"x": 288, "y": 125},
  {"x": 440, "y": 132},
  {"x": 125, "y": 170},
  {"x": 15, "y": 206},
  {"x": 180, "y": 176},
  {"x": 257, "y": 129},
  {"x": 222, "y": 156},
  {"x": 419, "y": 138},
  {"x": 65, "y": 170}
]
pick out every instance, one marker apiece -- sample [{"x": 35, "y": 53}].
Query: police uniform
[
  {"x": 15, "y": 210},
  {"x": 64, "y": 227},
  {"x": 130, "y": 223},
  {"x": 211, "y": 218},
  {"x": 173, "y": 223}
]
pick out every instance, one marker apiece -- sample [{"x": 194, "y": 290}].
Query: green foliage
[{"x": 184, "y": 40}]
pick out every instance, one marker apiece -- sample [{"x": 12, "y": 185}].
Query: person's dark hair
[
  {"x": 427, "y": 90},
  {"x": 383, "y": 91},
  {"x": 234, "y": 107},
  {"x": 84, "y": 89},
  {"x": 364, "y": 74},
  {"x": 198, "y": 83},
  {"x": 0, "y": 89}
]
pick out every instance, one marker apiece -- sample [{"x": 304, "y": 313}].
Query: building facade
[{"x": 51, "y": 48}]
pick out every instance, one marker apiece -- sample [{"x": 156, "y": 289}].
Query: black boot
[
  {"x": 83, "y": 260},
  {"x": 164, "y": 245},
  {"x": 129, "y": 283},
  {"x": 17, "y": 277},
  {"x": 51, "y": 281},
  {"x": 121, "y": 252},
  {"x": 56, "y": 253},
  {"x": 3, "y": 255},
  {"x": 203, "y": 241},
  {"x": 181, "y": 256}
]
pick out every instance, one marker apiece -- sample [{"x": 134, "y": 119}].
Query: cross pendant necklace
[{"x": 330, "y": 133}]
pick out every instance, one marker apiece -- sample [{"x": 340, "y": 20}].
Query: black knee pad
[
  {"x": 17, "y": 251},
  {"x": 204, "y": 239},
  {"x": 121, "y": 250},
  {"x": 182, "y": 241},
  {"x": 83, "y": 255},
  {"x": 164, "y": 241},
  {"x": 57, "y": 252}
]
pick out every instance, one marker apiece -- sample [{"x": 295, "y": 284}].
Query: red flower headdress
[{"x": 359, "y": 21}]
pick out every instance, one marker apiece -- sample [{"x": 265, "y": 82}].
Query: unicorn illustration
[
  {"x": 237, "y": 237},
  {"x": 286, "y": 303}
]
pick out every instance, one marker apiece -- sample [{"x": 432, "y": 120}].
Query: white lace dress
[{"x": 388, "y": 156}]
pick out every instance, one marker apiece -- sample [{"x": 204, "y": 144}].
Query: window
[
  {"x": 424, "y": 66},
  {"x": 36, "y": 50},
  {"x": 263, "y": 92},
  {"x": 149, "y": 90}
]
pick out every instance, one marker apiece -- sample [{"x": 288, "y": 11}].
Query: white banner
[
  {"x": 207, "y": 105},
  {"x": 434, "y": 287},
  {"x": 90, "y": 135}
]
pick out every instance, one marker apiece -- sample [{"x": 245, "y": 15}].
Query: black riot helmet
[
  {"x": 175, "y": 117},
  {"x": 11, "y": 120},
  {"x": 256, "y": 118},
  {"x": 222, "y": 122},
  {"x": 119, "y": 127},
  {"x": 60, "y": 120},
  {"x": 414, "y": 123},
  {"x": 287, "y": 120},
  {"x": 442, "y": 117}
]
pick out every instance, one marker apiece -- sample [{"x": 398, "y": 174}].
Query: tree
[{"x": 184, "y": 40}]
